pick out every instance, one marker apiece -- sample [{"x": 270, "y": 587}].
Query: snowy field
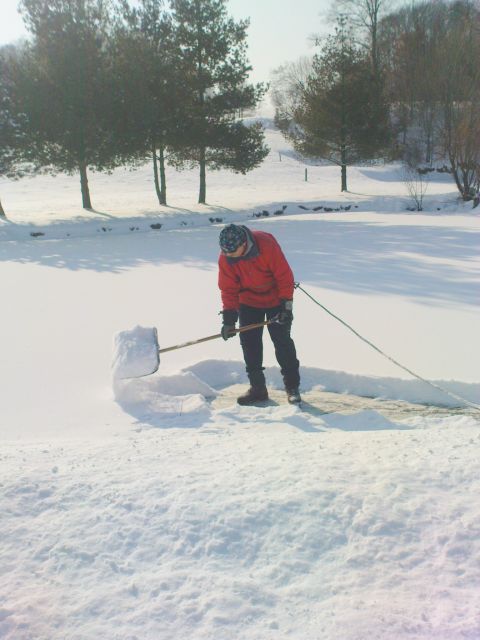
[{"x": 157, "y": 509}]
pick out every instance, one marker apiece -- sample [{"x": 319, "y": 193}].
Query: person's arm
[
  {"x": 229, "y": 285},
  {"x": 281, "y": 272}
]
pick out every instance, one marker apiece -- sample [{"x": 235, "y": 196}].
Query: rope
[{"x": 412, "y": 373}]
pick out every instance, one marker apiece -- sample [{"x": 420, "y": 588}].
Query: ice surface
[{"x": 135, "y": 352}]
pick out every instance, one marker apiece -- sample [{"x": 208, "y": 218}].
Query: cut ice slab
[{"x": 135, "y": 353}]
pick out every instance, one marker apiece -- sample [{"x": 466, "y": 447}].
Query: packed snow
[
  {"x": 156, "y": 508},
  {"x": 135, "y": 353}
]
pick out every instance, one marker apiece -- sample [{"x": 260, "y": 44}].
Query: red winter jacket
[{"x": 260, "y": 279}]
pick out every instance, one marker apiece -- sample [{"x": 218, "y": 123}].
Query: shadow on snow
[{"x": 412, "y": 261}]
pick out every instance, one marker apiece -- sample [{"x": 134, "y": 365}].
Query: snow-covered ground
[{"x": 157, "y": 508}]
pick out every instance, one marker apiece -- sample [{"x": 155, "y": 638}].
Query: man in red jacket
[{"x": 256, "y": 282}]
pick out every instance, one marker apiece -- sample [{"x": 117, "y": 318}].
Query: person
[{"x": 256, "y": 282}]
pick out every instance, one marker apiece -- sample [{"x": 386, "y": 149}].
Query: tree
[
  {"x": 365, "y": 16},
  {"x": 409, "y": 43},
  {"x": 341, "y": 116},
  {"x": 287, "y": 86},
  {"x": 12, "y": 126},
  {"x": 460, "y": 100},
  {"x": 149, "y": 115},
  {"x": 416, "y": 179},
  {"x": 429, "y": 52},
  {"x": 213, "y": 61},
  {"x": 63, "y": 87},
  {"x": 7, "y": 127}
]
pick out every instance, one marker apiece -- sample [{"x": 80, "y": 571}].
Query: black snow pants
[{"x": 252, "y": 345}]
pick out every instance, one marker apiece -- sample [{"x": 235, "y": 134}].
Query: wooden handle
[{"x": 247, "y": 327}]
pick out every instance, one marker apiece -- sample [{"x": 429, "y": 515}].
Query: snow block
[{"x": 135, "y": 353}]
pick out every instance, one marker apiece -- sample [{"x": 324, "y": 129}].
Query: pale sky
[{"x": 279, "y": 29}]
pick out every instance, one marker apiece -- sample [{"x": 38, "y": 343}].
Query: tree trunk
[
  {"x": 429, "y": 150},
  {"x": 2, "y": 212},
  {"x": 155, "y": 175},
  {"x": 375, "y": 62},
  {"x": 344, "y": 168},
  {"x": 456, "y": 177},
  {"x": 343, "y": 127},
  {"x": 163, "y": 179},
  {"x": 203, "y": 184},
  {"x": 86, "y": 202},
  {"x": 344, "y": 177}
]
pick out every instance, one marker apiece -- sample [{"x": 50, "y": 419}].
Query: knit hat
[{"x": 231, "y": 237}]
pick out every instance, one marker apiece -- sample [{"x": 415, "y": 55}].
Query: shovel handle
[{"x": 247, "y": 327}]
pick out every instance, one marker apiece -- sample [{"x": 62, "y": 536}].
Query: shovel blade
[{"x": 135, "y": 353}]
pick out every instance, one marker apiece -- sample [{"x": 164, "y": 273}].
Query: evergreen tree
[
  {"x": 149, "y": 114},
  {"x": 7, "y": 127},
  {"x": 13, "y": 141},
  {"x": 213, "y": 61},
  {"x": 341, "y": 116},
  {"x": 64, "y": 89}
]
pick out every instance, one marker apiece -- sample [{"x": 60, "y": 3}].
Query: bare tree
[
  {"x": 462, "y": 146},
  {"x": 287, "y": 86},
  {"x": 365, "y": 16},
  {"x": 460, "y": 102},
  {"x": 416, "y": 182},
  {"x": 429, "y": 54}
]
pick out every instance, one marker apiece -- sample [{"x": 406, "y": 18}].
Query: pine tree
[
  {"x": 342, "y": 116},
  {"x": 213, "y": 60},
  {"x": 6, "y": 127},
  {"x": 144, "y": 59},
  {"x": 13, "y": 141},
  {"x": 64, "y": 89}
]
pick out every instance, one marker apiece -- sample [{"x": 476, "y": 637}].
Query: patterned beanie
[{"x": 231, "y": 237}]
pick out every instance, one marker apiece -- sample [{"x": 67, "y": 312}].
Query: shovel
[{"x": 137, "y": 352}]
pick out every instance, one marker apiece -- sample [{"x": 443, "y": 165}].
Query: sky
[{"x": 279, "y": 31}]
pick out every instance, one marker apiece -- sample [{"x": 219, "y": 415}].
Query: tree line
[
  {"x": 100, "y": 85},
  {"x": 394, "y": 83}
]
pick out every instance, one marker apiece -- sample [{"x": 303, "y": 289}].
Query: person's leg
[
  {"x": 251, "y": 341},
  {"x": 285, "y": 351},
  {"x": 252, "y": 346}
]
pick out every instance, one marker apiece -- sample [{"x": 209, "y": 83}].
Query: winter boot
[
  {"x": 253, "y": 395},
  {"x": 293, "y": 396},
  {"x": 258, "y": 389}
]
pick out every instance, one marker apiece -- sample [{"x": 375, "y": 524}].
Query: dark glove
[
  {"x": 230, "y": 317},
  {"x": 286, "y": 312}
]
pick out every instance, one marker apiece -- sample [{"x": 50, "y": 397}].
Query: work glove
[
  {"x": 230, "y": 317},
  {"x": 285, "y": 315}
]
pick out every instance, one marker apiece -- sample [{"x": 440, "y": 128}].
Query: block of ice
[{"x": 135, "y": 353}]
